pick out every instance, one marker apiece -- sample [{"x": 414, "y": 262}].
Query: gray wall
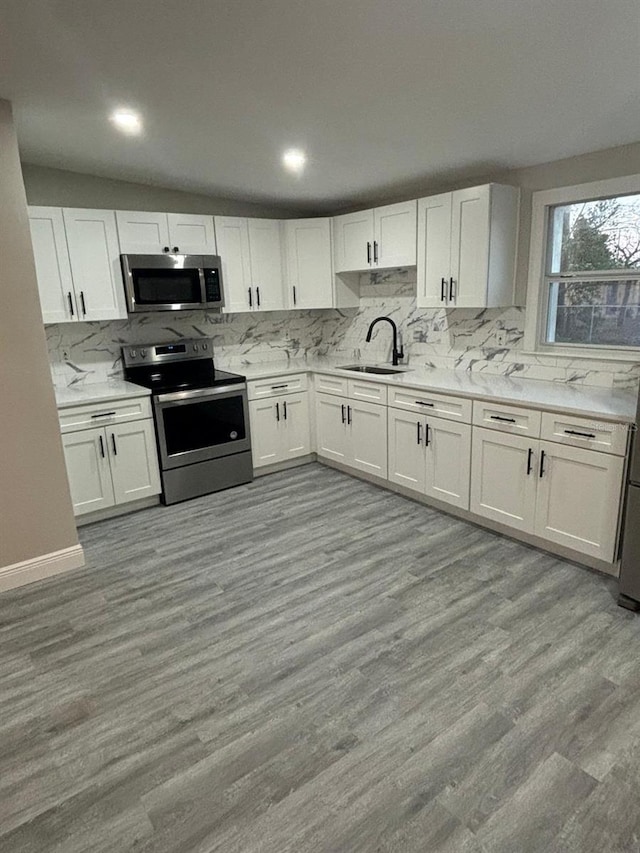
[
  {"x": 36, "y": 516},
  {"x": 60, "y": 188}
]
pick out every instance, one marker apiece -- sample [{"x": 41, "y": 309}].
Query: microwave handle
[{"x": 203, "y": 286}]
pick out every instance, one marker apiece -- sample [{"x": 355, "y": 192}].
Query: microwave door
[{"x": 164, "y": 287}]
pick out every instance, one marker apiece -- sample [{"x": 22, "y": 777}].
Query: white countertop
[
  {"x": 585, "y": 400},
  {"x": 98, "y": 392}
]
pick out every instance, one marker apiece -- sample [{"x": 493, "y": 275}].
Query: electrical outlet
[
  {"x": 501, "y": 338},
  {"x": 65, "y": 356}
]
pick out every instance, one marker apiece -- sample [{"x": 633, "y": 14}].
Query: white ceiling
[{"x": 378, "y": 92}]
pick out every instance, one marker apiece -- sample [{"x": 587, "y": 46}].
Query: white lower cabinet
[
  {"x": 353, "y": 433},
  {"x": 578, "y": 499},
  {"x": 88, "y": 470},
  {"x": 430, "y": 456},
  {"x": 503, "y": 479},
  {"x": 565, "y": 495},
  {"x": 280, "y": 428},
  {"x": 109, "y": 465}
]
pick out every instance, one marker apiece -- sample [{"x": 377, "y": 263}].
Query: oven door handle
[{"x": 199, "y": 393}]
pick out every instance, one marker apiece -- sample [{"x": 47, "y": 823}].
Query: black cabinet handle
[
  {"x": 101, "y": 446},
  {"x": 348, "y": 414},
  {"x": 284, "y": 408},
  {"x": 542, "y": 463},
  {"x": 451, "y": 293},
  {"x": 443, "y": 290},
  {"x": 277, "y": 387},
  {"x": 499, "y": 418},
  {"x": 368, "y": 253},
  {"x": 529, "y": 461},
  {"x": 418, "y": 424},
  {"x": 375, "y": 251},
  {"x": 70, "y": 304},
  {"x": 427, "y": 440},
  {"x": 258, "y": 295},
  {"x": 250, "y": 299},
  {"x": 165, "y": 249},
  {"x": 295, "y": 298},
  {"x": 422, "y": 403},
  {"x": 581, "y": 434},
  {"x": 176, "y": 249},
  {"x": 343, "y": 414},
  {"x": 82, "y": 302},
  {"x": 103, "y": 415},
  {"x": 277, "y": 411},
  {"x": 113, "y": 444}
]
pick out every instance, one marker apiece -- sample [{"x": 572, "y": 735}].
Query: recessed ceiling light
[
  {"x": 127, "y": 121},
  {"x": 294, "y": 160}
]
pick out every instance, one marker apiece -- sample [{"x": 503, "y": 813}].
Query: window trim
[{"x": 535, "y": 313}]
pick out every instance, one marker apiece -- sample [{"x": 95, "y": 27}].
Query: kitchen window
[{"x": 584, "y": 283}]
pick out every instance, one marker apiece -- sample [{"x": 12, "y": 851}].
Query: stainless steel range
[{"x": 201, "y": 416}]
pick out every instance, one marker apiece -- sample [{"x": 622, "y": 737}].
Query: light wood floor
[{"x": 309, "y": 663}]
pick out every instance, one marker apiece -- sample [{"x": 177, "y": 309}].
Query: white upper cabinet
[
  {"x": 145, "y": 233},
  {"x": 53, "y": 270},
  {"x": 308, "y": 263},
  {"x": 376, "y": 239},
  {"x": 252, "y": 267},
  {"x": 267, "y": 272},
  {"x": 467, "y": 247},
  {"x": 77, "y": 261},
  {"x": 94, "y": 254}
]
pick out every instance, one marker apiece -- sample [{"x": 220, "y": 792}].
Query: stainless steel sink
[{"x": 365, "y": 368}]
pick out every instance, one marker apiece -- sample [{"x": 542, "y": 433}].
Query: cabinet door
[
  {"x": 448, "y": 461},
  {"x": 331, "y": 429},
  {"x": 265, "y": 251},
  {"x": 266, "y": 440},
  {"x": 88, "y": 470},
  {"x": 309, "y": 268},
  {"x": 296, "y": 435},
  {"x": 578, "y": 499},
  {"x": 501, "y": 488},
  {"x": 191, "y": 233},
  {"x": 143, "y": 233},
  {"x": 53, "y": 270},
  {"x": 232, "y": 237},
  {"x": 367, "y": 424},
  {"x": 470, "y": 212},
  {"x": 395, "y": 233},
  {"x": 134, "y": 460},
  {"x": 353, "y": 241},
  {"x": 94, "y": 253},
  {"x": 434, "y": 251},
  {"x": 407, "y": 465}
]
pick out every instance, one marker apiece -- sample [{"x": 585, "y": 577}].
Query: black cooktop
[{"x": 181, "y": 376}]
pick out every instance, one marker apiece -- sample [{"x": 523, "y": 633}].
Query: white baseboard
[{"x": 42, "y": 567}]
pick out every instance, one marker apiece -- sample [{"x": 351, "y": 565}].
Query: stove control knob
[
  {"x": 143, "y": 353},
  {"x": 132, "y": 353},
  {"x": 205, "y": 346},
  {"x": 195, "y": 347}
]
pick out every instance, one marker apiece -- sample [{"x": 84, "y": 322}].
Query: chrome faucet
[{"x": 397, "y": 353}]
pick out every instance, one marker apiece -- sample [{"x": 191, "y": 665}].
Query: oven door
[
  {"x": 205, "y": 424},
  {"x": 163, "y": 282}
]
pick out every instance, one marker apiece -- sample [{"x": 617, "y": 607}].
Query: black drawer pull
[
  {"x": 581, "y": 434},
  {"x": 422, "y": 403},
  {"x": 500, "y": 418},
  {"x": 277, "y": 387},
  {"x": 103, "y": 415}
]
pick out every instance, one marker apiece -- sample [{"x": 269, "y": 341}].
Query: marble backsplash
[{"x": 457, "y": 339}]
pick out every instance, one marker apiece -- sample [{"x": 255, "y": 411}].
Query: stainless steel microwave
[{"x": 172, "y": 282}]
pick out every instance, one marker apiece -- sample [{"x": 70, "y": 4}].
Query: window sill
[{"x": 588, "y": 355}]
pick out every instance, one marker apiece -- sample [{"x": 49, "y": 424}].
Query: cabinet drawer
[
  {"x": 331, "y": 384},
  {"x": 584, "y": 432},
  {"x": 451, "y": 408},
  {"x": 259, "y": 388},
  {"x": 74, "y": 418},
  {"x": 507, "y": 418},
  {"x": 371, "y": 392}
]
